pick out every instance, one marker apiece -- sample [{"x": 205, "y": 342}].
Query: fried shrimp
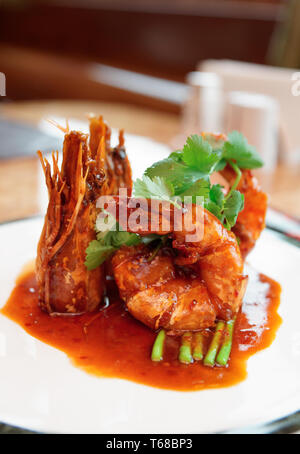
[
  {"x": 200, "y": 280},
  {"x": 251, "y": 220},
  {"x": 114, "y": 161},
  {"x": 65, "y": 284}
]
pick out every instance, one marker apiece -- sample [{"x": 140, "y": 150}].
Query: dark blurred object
[
  {"x": 32, "y": 74},
  {"x": 6, "y": 429},
  {"x": 285, "y": 44},
  {"x": 19, "y": 140},
  {"x": 161, "y": 38}
]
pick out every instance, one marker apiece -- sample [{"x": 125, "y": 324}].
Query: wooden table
[{"x": 18, "y": 182}]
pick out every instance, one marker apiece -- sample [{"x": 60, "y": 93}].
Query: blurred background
[{"x": 158, "y": 68}]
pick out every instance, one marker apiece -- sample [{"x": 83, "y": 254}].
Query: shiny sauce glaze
[{"x": 111, "y": 343}]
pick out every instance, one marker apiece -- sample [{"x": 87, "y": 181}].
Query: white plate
[{"x": 40, "y": 389}]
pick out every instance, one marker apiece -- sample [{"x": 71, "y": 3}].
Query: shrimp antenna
[
  {"x": 65, "y": 130},
  {"x": 121, "y": 138},
  {"x": 101, "y": 151}
]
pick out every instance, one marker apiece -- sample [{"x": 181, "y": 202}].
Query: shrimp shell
[{"x": 89, "y": 169}]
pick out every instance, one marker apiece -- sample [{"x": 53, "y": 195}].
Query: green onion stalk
[
  {"x": 158, "y": 346},
  {"x": 198, "y": 346},
  {"x": 185, "y": 351},
  {"x": 211, "y": 354},
  {"x": 224, "y": 353}
]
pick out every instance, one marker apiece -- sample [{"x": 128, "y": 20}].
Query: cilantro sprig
[
  {"x": 110, "y": 240},
  {"x": 187, "y": 172},
  {"x": 237, "y": 148},
  {"x": 199, "y": 154},
  {"x": 98, "y": 251},
  {"x": 156, "y": 188},
  {"x": 184, "y": 173}
]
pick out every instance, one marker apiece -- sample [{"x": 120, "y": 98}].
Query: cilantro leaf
[
  {"x": 126, "y": 239},
  {"x": 215, "y": 209},
  {"x": 233, "y": 205},
  {"x": 105, "y": 223},
  {"x": 96, "y": 254},
  {"x": 109, "y": 241},
  {"x": 215, "y": 203},
  {"x": 118, "y": 238},
  {"x": 238, "y": 149},
  {"x": 184, "y": 173},
  {"x": 156, "y": 188},
  {"x": 174, "y": 172},
  {"x": 216, "y": 194},
  {"x": 226, "y": 209},
  {"x": 168, "y": 167},
  {"x": 200, "y": 188},
  {"x": 199, "y": 154},
  {"x": 176, "y": 155}
]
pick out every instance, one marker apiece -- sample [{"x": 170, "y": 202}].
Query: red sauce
[{"x": 112, "y": 343}]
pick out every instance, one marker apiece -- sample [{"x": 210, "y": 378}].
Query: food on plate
[
  {"x": 251, "y": 220},
  {"x": 89, "y": 169},
  {"x": 188, "y": 285},
  {"x": 153, "y": 279}
]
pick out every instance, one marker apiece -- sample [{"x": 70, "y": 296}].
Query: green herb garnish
[
  {"x": 198, "y": 154},
  {"x": 188, "y": 172},
  {"x": 98, "y": 251},
  {"x": 155, "y": 188},
  {"x": 109, "y": 241},
  {"x": 238, "y": 149},
  {"x": 185, "y": 173}
]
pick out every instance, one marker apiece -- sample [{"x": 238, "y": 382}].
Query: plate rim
[{"x": 285, "y": 425}]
